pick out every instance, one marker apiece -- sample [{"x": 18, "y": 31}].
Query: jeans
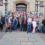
[
  {"x": 40, "y": 28},
  {"x": 6, "y": 27},
  {"x": 15, "y": 27},
  {"x": 28, "y": 28},
  {"x": 24, "y": 27},
  {"x": 20, "y": 27},
  {"x": 1, "y": 27}
]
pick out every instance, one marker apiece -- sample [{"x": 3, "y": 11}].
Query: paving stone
[
  {"x": 16, "y": 43},
  {"x": 26, "y": 43},
  {"x": 5, "y": 43},
  {"x": 42, "y": 35},
  {"x": 21, "y": 39},
  {"x": 39, "y": 39},
  {"x": 32, "y": 39},
  {"x": 39, "y": 43},
  {"x": 34, "y": 36},
  {"x": 1, "y": 35},
  {"x": 31, "y": 34},
  {"x": 7, "y": 39},
  {"x": 7, "y": 36}
]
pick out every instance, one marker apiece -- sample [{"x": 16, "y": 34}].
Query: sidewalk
[{"x": 21, "y": 38}]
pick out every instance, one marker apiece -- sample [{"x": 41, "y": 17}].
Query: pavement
[{"x": 22, "y": 38}]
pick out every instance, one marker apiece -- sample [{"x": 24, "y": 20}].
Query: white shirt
[
  {"x": 34, "y": 23},
  {"x": 29, "y": 20}
]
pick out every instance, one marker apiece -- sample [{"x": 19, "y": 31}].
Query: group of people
[{"x": 23, "y": 21}]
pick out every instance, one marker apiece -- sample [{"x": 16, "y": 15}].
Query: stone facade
[{"x": 30, "y": 5}]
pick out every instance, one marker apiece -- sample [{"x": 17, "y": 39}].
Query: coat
[{"x": 1, "y": 20}]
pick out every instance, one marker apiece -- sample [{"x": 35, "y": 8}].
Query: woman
[
  {"x": 24, "y": 23},
  {"x": 21, "y": 23},
  {"x": 10, "y": 23},
  {"x": 18, "y": 22}
]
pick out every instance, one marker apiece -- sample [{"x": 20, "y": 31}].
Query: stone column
[
  {"x": 3, "y": 7},
  {"x": 14, "y": 7},
  {"x": 28, "y": 7},
  {"x": 44, "y": 8}
]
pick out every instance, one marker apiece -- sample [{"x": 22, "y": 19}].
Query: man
[
  {"x": 40, "y": 24},
  {"x": 6, "y": 21},
  {"x": 43, "y": 24},
  {"x": 29, "y": 21},
  {"x": 3, "y": 19},
  {"x": 1, "y": 23},
  {"x": 15, "y": 23}
]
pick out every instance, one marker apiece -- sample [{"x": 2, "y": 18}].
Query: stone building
[{"x": 23, "y": 5}]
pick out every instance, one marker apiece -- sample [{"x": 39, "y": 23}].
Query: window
[
  {"x": 5, "y": 1},
  {"x": 41, "y": 3},
  {"x": 1, "y": 9},
  {"x": 1, "y": 3},
  {"x": 41, "y": 10}
]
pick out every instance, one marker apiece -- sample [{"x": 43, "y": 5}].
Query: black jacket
[{"x": 43, "y": 22}]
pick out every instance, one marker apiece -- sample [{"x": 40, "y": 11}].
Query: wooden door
[{"x": 21, "y": 7}]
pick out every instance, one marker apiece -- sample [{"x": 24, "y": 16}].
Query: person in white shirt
[
  {"x": 29, "y": 21},
  {"x": 34, "y": 25}
]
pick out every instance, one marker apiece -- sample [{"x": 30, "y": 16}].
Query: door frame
[{"x": 21, "y": 1}]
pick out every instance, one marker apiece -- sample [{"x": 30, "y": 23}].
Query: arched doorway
[{"x": 21, "y": 7}]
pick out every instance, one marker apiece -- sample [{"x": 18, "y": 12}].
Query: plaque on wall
[
  {"x": 11, "y": 1},
  {"x": 31, "y": 7},
  {"x": 30, "y": 1},
  {"x": 10, "y": 6}
]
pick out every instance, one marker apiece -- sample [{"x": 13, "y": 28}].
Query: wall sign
[
  {"x": 11, "y": 1},
  {"x": 30, "y": 1},
  {"x": 10, "y": 6},
  {"x": 31, "y": 7}
]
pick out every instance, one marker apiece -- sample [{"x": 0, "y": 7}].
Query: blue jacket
[
  {"x": 3, "y": 19},
  {"x": 16, "y": 20}
]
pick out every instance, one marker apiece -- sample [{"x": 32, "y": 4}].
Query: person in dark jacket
[
  {"x": 3, "y": 19},
  {"x": 43, "y": 21},
  {"x": 43, "y": 25},
  {"x": 1, "y": 23},
  {"x": 15, "y": 23}
]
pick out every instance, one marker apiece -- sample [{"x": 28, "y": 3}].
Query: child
[{"x": 34, "y": 25}]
